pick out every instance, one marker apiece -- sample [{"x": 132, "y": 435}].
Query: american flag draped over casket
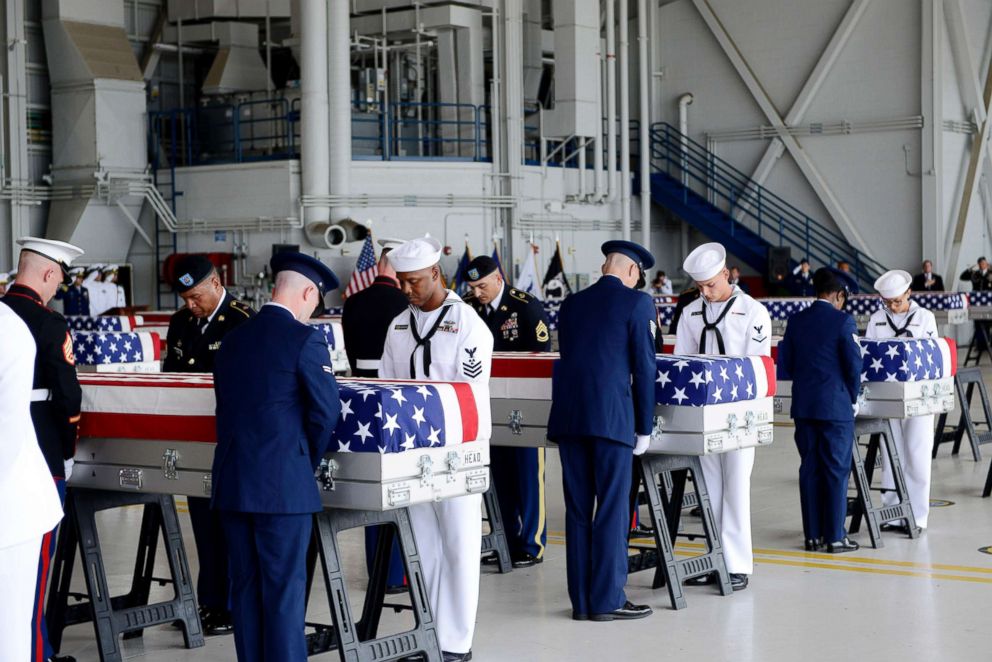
[
  {"x": 908, "y": 360},
  {"x": 104, "y": 348},
  {"x": 103, "y": 323},
  {"x": 696, "y": 381},
  {"x": 979, "y": 298},
  {"x": 781, "y": 309}
]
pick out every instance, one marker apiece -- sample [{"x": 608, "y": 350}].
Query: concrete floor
[{"x": 922, "y": 600}]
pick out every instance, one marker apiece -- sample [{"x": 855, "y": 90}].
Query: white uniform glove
[
  {"x": 857, "y": 409},
  {"x": 643, "y": 441},
  {"x": 68, "y": 468}
]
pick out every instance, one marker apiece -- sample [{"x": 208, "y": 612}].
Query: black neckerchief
[
  {"x": 707, "y": 327},
  {"x": 904, "y": 331},
  {"x": 424, "y": 342}
]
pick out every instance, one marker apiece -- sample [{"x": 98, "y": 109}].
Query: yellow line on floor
[{"x": 876, "y": 571}]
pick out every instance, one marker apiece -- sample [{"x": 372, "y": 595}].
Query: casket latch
[
  {"x": 516, "y": 419},
  {"x": 749, "y": 422},
  {"x": 131, "y": 478},
  {"x": 426, "y": 470},
  {"x": 170, "y": 458},
  {"x": 732, "y": 423},
  {"x": 326, "y": 472},
  {"x": 453, "y": 460}
]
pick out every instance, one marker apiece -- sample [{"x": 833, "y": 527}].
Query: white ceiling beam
[
  {"x": 969, "y": 81},
  {"x": 764, "y": 102},
  {"x": 932, "y": 135}
]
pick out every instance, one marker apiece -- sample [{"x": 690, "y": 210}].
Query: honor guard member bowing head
[
  {"x": 725, "y": 320},
  {"x": 440, "y": 338},
  {"x": 364, "y": 321},
  {"x": 821, "y": 355},
  {"x": 902, "y": 317},
  {"x": 518, "y": 324},
  {"x": 602, "y": 411},
  {"x": 196, "y": 332},
  {"x": 277, "y": 406},
  {"x": 43, "y": 267}
]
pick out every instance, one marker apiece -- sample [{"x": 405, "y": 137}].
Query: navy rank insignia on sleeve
[{"x": 472, "y": 367}]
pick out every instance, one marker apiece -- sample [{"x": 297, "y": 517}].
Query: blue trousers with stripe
[
  {"x": 41, "y": 650},
  {"x": 519, "y": 477}
]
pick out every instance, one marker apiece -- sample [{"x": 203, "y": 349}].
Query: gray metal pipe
[
  {"x": 611, "y": 101},
  {"x": 339, "y": 103},
  {"x": 313, "y": 114},
  {"x": 624, "y": 64},
  {"x": 644, "y": 94}
]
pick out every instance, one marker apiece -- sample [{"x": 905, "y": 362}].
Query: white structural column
[
  {"x": 16, "y": 148},
  {"x": 808, "y": 92},
  {"x": 932, "y": 139},
  {"x": 313, "y": 114},
  {"x": 644, "y": 95},
  {"x": 611, "y": 99},
  {"x": 339, "y": 102},
  {"x": 624, "y": 65},
  {"x": 802, "y": 159},
  {"x": 513, "y": 113}
]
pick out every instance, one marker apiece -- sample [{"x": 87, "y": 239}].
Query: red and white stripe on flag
[
  {"x": 949, "y": 354},
  {"x": 764, "y": 376},
  {"x": 180, "y": 407},
  {"x": 366, "y": 269}
]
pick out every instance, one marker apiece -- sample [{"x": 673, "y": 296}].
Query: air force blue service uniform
[
  {"x": 277, "y": 405},
  {"x": 821, "y": 354},
  {"x": 602, "y": 396}
]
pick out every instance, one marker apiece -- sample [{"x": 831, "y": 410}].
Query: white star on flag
[
  {"x": 890, "y": 376},
  {"x": 739, "y": 371},
  {"x": 709, "y": 376},
  {"x": 697, "y": 379},
  {"x": 750, "y": 390},
  {"x": 876, "y": 365},
  {"x": 718, "y": 394},
  {"x": 680, "y": 395},
  {"x": 391, "y": 424},
  {"x": 681, "y": 363},
  {"x": 663, "y": 378},
  {"x": 424, "y": 391},
  {"x": 408, "y": 441},
  {"x": 398, "y": 397},
  {"x": 363, "y": 430},
  {"x": 433, "y": 437},
  {"x": 733, "y": 392},
  {"x": 723, "y": 373},
  {"x": 892, "y": 352},
  {"x": 418, "y": 416},
  {"x": 344, "y": 447},
  {"x": 346, "y": 409}
]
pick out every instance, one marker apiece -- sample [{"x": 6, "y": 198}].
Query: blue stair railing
[{"x": 746, "y": 207}]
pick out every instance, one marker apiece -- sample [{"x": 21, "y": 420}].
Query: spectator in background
[
  {"x": 802, "y": 280},
  {"x": 661, "y": 284},
  {"x": 927, "y": 281},
  {"x": 979, "y": 275},
  {"x": 735, "y": 279}
]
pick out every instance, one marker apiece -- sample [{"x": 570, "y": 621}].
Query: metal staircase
[
  {"x": 168, "y": 144},
  {"x": 727, "y": 206}
]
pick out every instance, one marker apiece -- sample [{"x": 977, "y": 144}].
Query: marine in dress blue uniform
[
  {"x": 195, "y": 335},
  {"x": 55, "y": 397},
  {"x": 277, "y": 405},
  {"x": 602, "y": 410},
  {"x": 821, "y": 354},
  {"x": 518, "y": 324}
]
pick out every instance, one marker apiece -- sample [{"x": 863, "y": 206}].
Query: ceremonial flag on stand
[
  {"x": 556, "y": 286},
  {"x": 499, "y": 262},
  {"x": 527, "y": 280},
  {"x": 366, "y": 269},
  {"x": 460, "y": 282}
]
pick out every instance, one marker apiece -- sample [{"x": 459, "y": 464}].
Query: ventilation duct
[{"x": 238, "y": 65}]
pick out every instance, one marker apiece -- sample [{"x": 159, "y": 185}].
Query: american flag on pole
[{"x": 366, "y": 269}]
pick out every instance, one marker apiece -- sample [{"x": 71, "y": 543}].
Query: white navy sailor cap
[
  {"x": 893, "y": 283},
  {"x": 77, "y": 271},
  {"x": 390, "y": 243},
  {"x": 415, "y": 254},
  {"x": 706, "y": 261}
]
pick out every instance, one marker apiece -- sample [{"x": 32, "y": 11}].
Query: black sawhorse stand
[
  {"x": 980, "y": 343},
  {"x": 356, "y": 640},
  {"x": 666, "y": 512},
  {"x": 126, "y": 614},
  {"x": 965, "y": 383},
  {"x": 878, "y": 431},
  {"x": 495, "y": 541}
]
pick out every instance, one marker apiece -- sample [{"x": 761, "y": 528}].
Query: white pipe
[
  {"x": 339, "y": 102},
  {"x": 684, "y": 102},
  {"x": 313, "y": 113},
  {"x": 582, "y": 168},
  {"x": 624, "y": 65},
  {"x": 597, "y": 142},
  {"x": 644, "y": 93},
  {"x": 611, "y": 101}
]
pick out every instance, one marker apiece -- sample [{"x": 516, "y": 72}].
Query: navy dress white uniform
[
  {"x": 913, "y": 437},
  {"x": 55, "y": 399},
  {"x": 602, "y": 411},
  {"x": 25, "y": 481},
  {"x": 736, "y": 326},
  {"x": 448, "y": 344},
  {"x": 277, "y": 406},
  {"x": 821, "y": 355},
  {"x": 518, "y": 324}
]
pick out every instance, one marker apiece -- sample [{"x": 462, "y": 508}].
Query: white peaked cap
[
  {"x": 392, "y": 243},
  {"x": 893, "y": 283},
  {"x": 706, "y": 261},
  {"x": 56, "y": 251},
  {"x": 415, "y": 254}
]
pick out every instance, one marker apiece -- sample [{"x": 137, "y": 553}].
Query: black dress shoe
[
  {"x": 525, "y": 560},
  {"x": 642, "y": 532},
  {"x": 842, "y": 546},
  {"x": 627, "y": 612},
  {"x": 217, "y": 622},
  {"x": 396, "y": 590},
  {"x": 702, "y": 580},
  {"x": 456, "y": 657},
  {"x": 738, "y": 581},
  {"x": 61, "y": 658},
  {"x": 578, "y": 616},
  {"x": 813, "y": 544},
  {"x": 898, "y": 527}
]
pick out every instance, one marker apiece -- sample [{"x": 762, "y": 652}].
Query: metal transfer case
[{"x": 889, "y": 399}]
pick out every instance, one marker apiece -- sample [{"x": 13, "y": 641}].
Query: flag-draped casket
[
  {"x": 104, "y": 322},
  {"x": 334, "y": 334},
  {"x": 396, "y": 443},
  {"x": 117, "y": 351},
  {"x": 704, "y": 404},
  {"x": 900, "y": 378}
]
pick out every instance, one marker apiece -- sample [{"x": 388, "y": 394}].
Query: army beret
[
  {"x": 192, "y": 270},
  {"x": 481, "y": 267}
]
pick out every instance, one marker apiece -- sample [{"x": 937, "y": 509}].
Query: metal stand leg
[
  {"x": 666, "y": 512},
  {"x": 355, "y": 639},
  {"x": 979, "y": 431},
  {"x": 879, "y": 431},
  {"x": 113, "y": 617},
  {"x": 495, "y": 541}
]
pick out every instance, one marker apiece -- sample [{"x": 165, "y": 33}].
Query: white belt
[
  {"x": 367, "y": 364},
  {"x": 40, "y": 395}
]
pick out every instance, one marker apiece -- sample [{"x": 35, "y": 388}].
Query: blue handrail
[{"x": 774, "y": 219}]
